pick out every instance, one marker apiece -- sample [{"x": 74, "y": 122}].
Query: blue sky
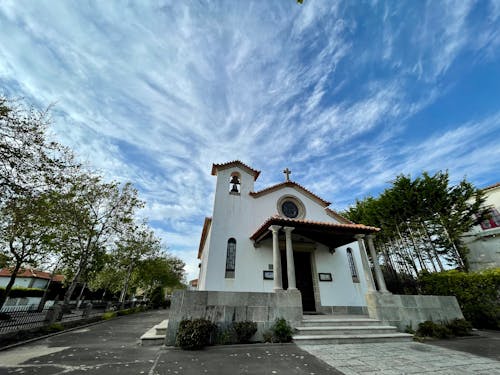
[{"x": 345, "y": 94}]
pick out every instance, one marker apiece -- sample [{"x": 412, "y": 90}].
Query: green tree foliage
[
  {"x": 32, "y": 169},
  {"x": 51, "y": 208},
  {"x": 92, "y": 216},
  {"x": 422, "y": 220},
  {"x": 26, "y": 233}
]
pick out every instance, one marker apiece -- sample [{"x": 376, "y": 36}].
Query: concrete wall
[
  {"x": 410, "y": 310},
  {"x": 224, "y": 308}
]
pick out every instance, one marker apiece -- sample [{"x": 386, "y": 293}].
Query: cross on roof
[{"x": 287, "y": 172}]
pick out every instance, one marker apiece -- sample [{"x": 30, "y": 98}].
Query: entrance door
[{"x": 303, "y": 277}]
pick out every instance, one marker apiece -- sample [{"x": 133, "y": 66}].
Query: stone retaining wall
[
  {"x": 410, "y": 310},
  {"x": 224, "y": 308}
]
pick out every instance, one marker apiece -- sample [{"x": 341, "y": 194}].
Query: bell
[
  {"x": 234, "y": 189},
  {"x": 235, "y": 180}
]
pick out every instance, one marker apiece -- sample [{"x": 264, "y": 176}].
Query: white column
[
  {"x": 290, "y": 264},
  {"x": 366, "y": 265},
  {"x": 378, "y": 272},
  {"x": 278, "y": 284}
]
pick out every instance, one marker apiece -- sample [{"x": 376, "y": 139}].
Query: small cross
[{"x": 287, "y": 172}]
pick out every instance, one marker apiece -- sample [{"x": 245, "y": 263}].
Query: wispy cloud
[{"x": 154, "y": 93}]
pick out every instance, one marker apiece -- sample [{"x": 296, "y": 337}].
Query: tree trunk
[
  {"x": 125, "y": 286},
  {"x": 80, "y": 295},
  {"x": 9, "y": 286},
  {"x": 436, "y": 255},
  {"x": 417, "y": 249}
]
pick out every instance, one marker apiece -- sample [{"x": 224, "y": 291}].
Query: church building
[{"x": 284, "y": 237}]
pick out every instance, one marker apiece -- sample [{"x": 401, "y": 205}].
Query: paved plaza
[
  {"x": 402, "y": 358},
  {"x": 113, "y": 347}
]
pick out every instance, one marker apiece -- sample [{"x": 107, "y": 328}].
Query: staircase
[
  {"x": 156, "y": 335},
  {"x": 346, "y": 329}
]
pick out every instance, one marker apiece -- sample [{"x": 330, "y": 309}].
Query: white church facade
[
  {"x": 282, "y": 253},
  {"x": 284, "y": 237}
]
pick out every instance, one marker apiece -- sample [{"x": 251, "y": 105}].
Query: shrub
[
  {"x": 225, "y": 336},
  {"x": 109, "y": 315},
  {"x": 460, "y": 327},
  {"x": 431, "y": 329},
  {"x": 55, "y": 327},
  {"x": 194, "y": 334},
  {"x": 244, "y": 330},
  {"x": 282, "y": 331},
  {"x": 477, "y": 293}
]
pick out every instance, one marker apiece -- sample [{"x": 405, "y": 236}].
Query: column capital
[
  {"x": 274, "y": 228},
  {"x": 288, "y": 229},
  {"x": 370, "y": 236},
  {"x": 359, "y": 236}
]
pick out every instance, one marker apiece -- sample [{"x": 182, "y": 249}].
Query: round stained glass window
[{"x": 290, "y": 209}]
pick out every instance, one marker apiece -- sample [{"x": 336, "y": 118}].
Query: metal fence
[
  {"x": 28, "y": 317},
  {"x": 25, "y": 318}
]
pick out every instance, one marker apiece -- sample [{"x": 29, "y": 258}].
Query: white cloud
[{"x": 154, "y": 93}]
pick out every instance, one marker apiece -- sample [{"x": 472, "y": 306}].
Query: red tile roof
[
  {"x": 235, "y": 163},
  {"x": 204, "y": 234},
  {"x": 277, "y": 220},
  {"x": 292, "y": 185},
  {"x": 29, "y": 272},
  {"x": 491, "y": 186}
]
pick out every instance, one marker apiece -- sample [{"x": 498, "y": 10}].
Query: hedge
[
  {"x": 22, "y": 292},
  {"x": 478, "y": 293}
]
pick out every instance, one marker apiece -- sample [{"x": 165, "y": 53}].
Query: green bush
[
  {"x": 194, "y": 334},
  {"x": 244, "y": 330},
  {"x": 55, "y": 327},
  {"x": 457, "y": 327},
  {"x": 478, "y": 293},
  {"x": 225, "y": 337},
  {"x": 431, "y": 329},
  {"x": 460, "y": 327},
  {"x": 282, "y": 331},
  {"x": 109, "y": 315}
]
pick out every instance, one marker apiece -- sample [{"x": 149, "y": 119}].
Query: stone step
[
  {"x": 345, "y": 330},
  {"x": 155, "y": 336},
  {"x": 340, "y": 322},
  {"x": 161, "y": 328},
  {"x": 351, "y": 339}
]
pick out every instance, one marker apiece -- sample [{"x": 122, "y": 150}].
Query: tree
[
  {"x": 136, "y": 245},
  {"x": 29, "y": 162},
  {"x": 92, "y": 216},
  {"x": 160, "y": 271},
  {"x": 422, "y": 220},
  {"x": 26, "y": 234}
]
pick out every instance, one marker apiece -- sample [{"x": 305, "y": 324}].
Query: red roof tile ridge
[
  {"x": 289, "y": 184},
  {"x": 491, "y": 186},
  {"x": 253, "y": 171}
]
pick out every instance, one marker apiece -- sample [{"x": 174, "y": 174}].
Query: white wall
[
  {"x": 342, "y": 291},
  {"x": 239, "y": 216},
  {"x": 484, "y": 244}
]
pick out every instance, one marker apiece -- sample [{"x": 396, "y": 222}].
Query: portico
[{"x": 331, "y": 235}]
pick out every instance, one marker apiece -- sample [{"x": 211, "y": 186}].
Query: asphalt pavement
[{"x": 113, "y": 347}]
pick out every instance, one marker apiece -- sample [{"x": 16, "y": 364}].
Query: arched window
[
  {"x": 235, "y": 183},
  {"x": 230, "y": 258},
  {"x": 352, "y": 266}
]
